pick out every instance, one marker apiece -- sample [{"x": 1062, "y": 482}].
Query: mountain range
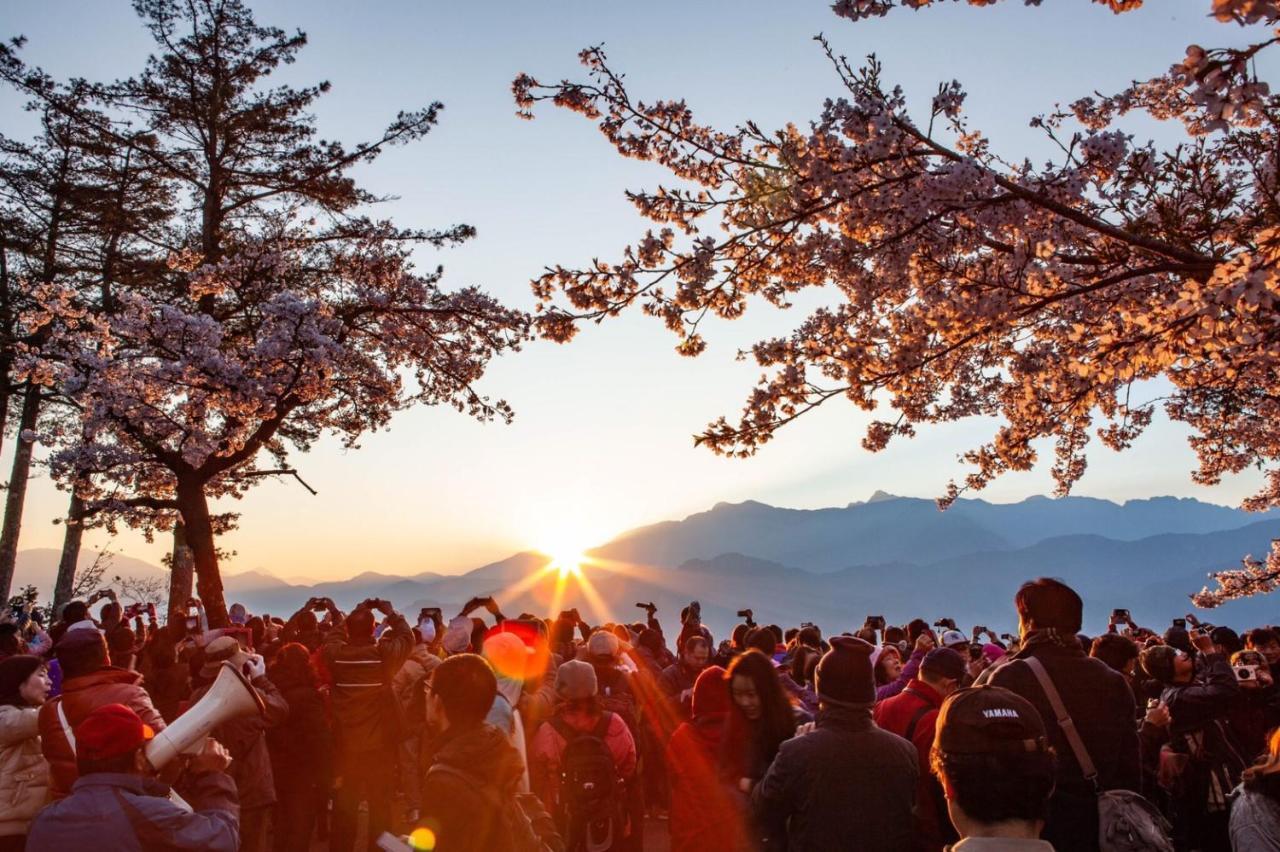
[{"x": 894, "y": 556}]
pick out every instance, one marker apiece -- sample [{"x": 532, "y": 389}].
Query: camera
[
  {"x": 1246, "y": 672},
  {"x": 647, "y": 607},
  {"x": 948, "y": 623},
  {"x": 1180, "y": 623},
  {"x": 875, "y": 622},
  {"x": 1120, "y": 615},
  {"x": 132, "y": 611},
  {"x": 431, "y": 612},
  {"x": 745, "y": 613}
]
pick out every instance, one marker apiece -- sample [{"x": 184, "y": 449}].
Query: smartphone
[
  {"x": 875, "y": 622},
  {"x": 949, "y": 623},
  {"x": 1120, "y": 615},
  {"x": 1180, "y": 623},
  {"x": 429, "y": 612}
]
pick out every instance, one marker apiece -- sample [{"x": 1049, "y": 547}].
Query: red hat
[
  {"x": 710, "y": 693},
  {"x": 110, "y": 731}
]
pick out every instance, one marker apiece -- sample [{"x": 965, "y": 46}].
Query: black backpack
[{"x": 591, "y": 794}]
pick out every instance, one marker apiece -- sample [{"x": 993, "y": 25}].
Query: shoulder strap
[
  {"x": 1064, "y": 720},
  {"x": 66, "y": 726},
  {"x": 602, "y": 727},
  {"x": 910, "y": 735},
  {"x": 563, "y": 728}
]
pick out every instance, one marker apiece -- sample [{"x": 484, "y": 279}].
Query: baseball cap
[
  {"x": 110, "y": 731},
  {"x": 945, "y": 662},
  {"x": 951, "y": 638},
  {"x": 986, "y": 719}
]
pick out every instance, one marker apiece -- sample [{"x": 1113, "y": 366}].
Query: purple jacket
[{"x": 908, "y": 674}]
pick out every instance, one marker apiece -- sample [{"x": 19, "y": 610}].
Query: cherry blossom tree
[
  {"x": 1069, "y": 299},
  {"x": 280, "y": 311}
]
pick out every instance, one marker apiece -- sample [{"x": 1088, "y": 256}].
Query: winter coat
[
  {"x": 301, "y": 747},
  {"x": 674, "y": 680},
  {"x": 24, "y": 775},
  {"x": 366, "y": 716},
  {"x": 470, "y": 772},
  {"x": 845, "y": 785},
  {"x": 245, "y": 737},
  {"x": 1198, "y": 713},
  {"x": 547, "y": 752},
  {"x": 707, "y": 815},
  {"x": 920, "y": 703},
  {"x": 1101, "y": 705},
  {"x": 128, "y": 813},
  {"x": 407, "y": 685},
  {"x": 80, "y": 697},
  {"x": 1255, "y": 819}
]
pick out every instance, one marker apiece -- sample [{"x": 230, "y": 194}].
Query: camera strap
[{"x": 1064, "y": 720}]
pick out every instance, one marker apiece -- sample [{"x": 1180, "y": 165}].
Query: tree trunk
[
  {"x": 204, "y": 555},
  {"x": 17, "y": 495},
  {"x": 67, "y": 565},
  {"x": 180, "y": 575}
]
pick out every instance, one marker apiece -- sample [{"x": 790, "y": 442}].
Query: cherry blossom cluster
[
  {"x": 1050, "y": 297},
  {"x": 1254, "y": 577}
]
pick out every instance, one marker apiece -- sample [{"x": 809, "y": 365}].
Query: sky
[{"x": 602, "y": 440}]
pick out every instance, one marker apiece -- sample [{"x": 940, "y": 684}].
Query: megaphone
[{"x": 230, "y": 697}]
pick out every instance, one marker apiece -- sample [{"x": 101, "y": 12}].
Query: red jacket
[
  {"x": 706, "y": 815},
  {"x": 80, "y": 697},
  {"x": 920, "y": 702}
]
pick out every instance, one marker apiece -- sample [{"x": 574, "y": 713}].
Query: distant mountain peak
[{"x": 882, "y": 496}]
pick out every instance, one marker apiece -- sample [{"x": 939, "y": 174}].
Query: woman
[
  {"x": 300, "y": 750},
  {"x": 761, "y": 719},
  {"x": 24, "y": 775},
  {"x": 705, "y": 815},
  {"x": 891, "y": 675},
  {"x": 1255, "y": 816}
]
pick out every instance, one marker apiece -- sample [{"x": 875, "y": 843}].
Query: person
[
  {"x": 408, "y": 687},
  {"x": 1267, "y": 642},
  {"x": 88, "y": 683},
  {"x": 705, "y": 816},
  {"x": 1256, "y": 712},
  {"x": 760, "y": 719},
  {"x": 579, "y": 714},
  {"x": 245, "y": 738},
  {"x": 1199, "y": 698},
  {"x": 677, "y": 679},
  {"x": 995, "y": 764},
  {"x": 301, "y": 751},
  {"x": 367, "y": 726},
  {"x": 1097, "y": 698},
  {"x": 1255, "y": 813},
  {"x": 912, "y": 714},
  {"x": 891, "y": 675},
  {"x": 24, "y": 774},
  {"x": 847, "y": 784},
  {"x": 472, "y": 768},
  {"x": 115, "y": 804}
]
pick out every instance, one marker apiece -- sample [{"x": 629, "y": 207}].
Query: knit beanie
[
  {"x": 944, "y": 663},
  {"x": 710, "y": 693},
  {"x": 603, "y": 646},
  {"x": 14, "y": 672},
  {"x": 844, "y": 675},
  {"x": 1157, "y": 662},
  {"x": 576, "y": 679}
]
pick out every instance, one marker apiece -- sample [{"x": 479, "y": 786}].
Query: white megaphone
[{"x": 230, "y": 697}]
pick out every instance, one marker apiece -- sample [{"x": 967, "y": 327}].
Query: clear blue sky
[{"x": 602, "y": 441}]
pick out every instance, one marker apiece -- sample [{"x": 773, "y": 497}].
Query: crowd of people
[{"x": 529, "y": 733}]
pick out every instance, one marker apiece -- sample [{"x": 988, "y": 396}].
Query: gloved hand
[{"x": 255, "y": 667}]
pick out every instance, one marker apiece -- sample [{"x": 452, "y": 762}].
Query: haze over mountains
[{"x": 892, "y": 556}]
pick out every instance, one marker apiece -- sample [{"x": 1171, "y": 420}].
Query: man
[
  {"x": 246, "y": 738},
  {"x": 115, "y": 806},
  {"x": 87, "y": 683},
  {"x": 847, "y": 784},
  {"x": 956, "y": 641},
  {"x": 367, "y": 725},
  {"x": 912, "y": 714},
  {"x": 474, "y": 771},
  {"x": 677, "y": 679},
  {"x": 993, "y": 760},
  {"x": 1265, "y": 641},
  {"x": 1097, "y": 698}
]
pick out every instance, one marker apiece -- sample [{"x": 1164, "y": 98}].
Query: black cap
[
  {"x": 986, "y": 719},
  {"x": 944, "y": 662}
]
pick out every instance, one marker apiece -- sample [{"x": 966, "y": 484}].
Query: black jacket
[
  {"x": 845, "y": 785},
  {"x": 471, "y": 773},
  {"x": 1101, "y": 704}
]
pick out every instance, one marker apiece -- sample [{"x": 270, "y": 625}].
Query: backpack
[
  {"x": 591, "y": 794},
  {"x": 1126, "y": 821},
  {"x": 523, "y": 824}
]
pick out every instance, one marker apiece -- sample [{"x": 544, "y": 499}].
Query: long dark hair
[{"x": 757, "y": 742}]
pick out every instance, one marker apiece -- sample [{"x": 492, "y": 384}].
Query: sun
[{"x": 568, "y": 562}]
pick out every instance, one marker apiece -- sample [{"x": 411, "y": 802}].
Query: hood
[
  {"x": 483, "y": 752},
  {"x": 104, "y": 675},
  {"x": 710, "y": 693}
]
